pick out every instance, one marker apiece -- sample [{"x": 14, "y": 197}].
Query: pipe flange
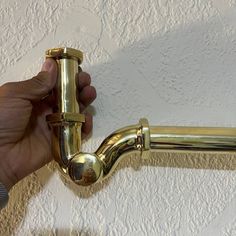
[
  {"x": 65, "y": 117},
  {"x": 65, "y": 52},
  {"x": 145, "y": 132}
]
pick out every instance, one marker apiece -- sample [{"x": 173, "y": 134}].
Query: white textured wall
[{"x": 171, "y": 61}]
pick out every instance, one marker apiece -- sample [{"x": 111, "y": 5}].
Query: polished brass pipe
[
  {"x": 66, "y": 121},
  {"x": 87, "y": 168},
  {"x": 193, "y": 139}
]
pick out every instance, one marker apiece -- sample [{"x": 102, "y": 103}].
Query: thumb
[{"x": 36, "y": 88}]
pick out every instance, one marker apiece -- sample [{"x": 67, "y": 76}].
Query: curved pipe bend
[{"x": 86, "y": 169}]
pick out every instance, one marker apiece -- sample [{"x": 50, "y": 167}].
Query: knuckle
[
  {"x": 43, "y": 74},
  {"x": 85, "y": 75},
  {"x": 40, "y": 77},
  {"x": 41, "y": 80}
]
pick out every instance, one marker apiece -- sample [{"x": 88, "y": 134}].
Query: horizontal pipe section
[{"x": 192, "y": 139}]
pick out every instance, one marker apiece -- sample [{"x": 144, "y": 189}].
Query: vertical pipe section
[
  {"x": 66, "y": 88},
  {"x": 65, "y": 122}
]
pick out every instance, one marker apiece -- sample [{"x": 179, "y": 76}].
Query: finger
[
  {"x": 50, "y": 99},
  {"x": 36, "y": 88},
  {"x": 50, "y": 66},
  {"x": 88, "y": 125},
  {"x": 82, "y": 79},
  {"x": 86, "y": 96}
]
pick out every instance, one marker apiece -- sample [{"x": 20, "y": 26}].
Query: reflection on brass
[
  {"x": 86, "y": 168},
  {"x": 66, "y": 121}
]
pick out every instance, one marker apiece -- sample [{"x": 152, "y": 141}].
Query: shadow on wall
[
  {"x": 204, "y": 53},
  {"x": 186, "y": 68}
]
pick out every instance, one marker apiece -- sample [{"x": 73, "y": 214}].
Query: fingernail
[{"x": 48, "y": 65}]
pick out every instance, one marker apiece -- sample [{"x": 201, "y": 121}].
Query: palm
[{"x": 28, "y": 145}]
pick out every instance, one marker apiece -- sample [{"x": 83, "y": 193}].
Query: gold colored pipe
[
  {"x": 87, "y": 168},
  {"x": 193, "y": 139},
  {"x": 66, "y": 121}
]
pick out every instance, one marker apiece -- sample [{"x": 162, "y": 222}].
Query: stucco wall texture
[{"x": 173, "y": 62}]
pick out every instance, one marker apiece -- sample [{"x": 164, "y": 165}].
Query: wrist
[
  {"x": 5, "y": 179},
  {"x": 3, "y": 196},
  {"x": 6, "y": 182}
]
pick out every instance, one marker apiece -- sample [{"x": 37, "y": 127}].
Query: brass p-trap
[{"x": 85, "y": 168}]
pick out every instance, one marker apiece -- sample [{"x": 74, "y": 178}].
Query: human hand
[{"x": 25, "y": 139}]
